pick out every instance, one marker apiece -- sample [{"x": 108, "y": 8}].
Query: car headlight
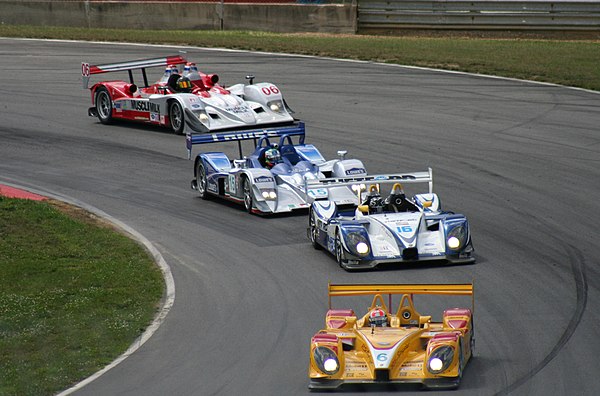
[
  {"x": 203, "y": 117},
  {"x": 457, "y": 237},
  {"x": 326, "y": 360},
  {"x": 269, "y": 195},
  {"x": 440, "y": 359},
  {"x": 362, "y": 248},
  {"x": 358, "y": 244},
  {"x": 275, "y": 106}
]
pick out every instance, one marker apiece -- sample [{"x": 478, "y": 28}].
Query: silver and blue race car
[
  {"x": 377, "y": 229},
  {"x": 280, "y": 189}
]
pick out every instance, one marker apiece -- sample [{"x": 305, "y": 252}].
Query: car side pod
[{"x": 326, "y": 361}]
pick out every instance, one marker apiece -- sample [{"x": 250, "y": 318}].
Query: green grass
[
  {"x": 573, "y": 63},
  {"x": 73, "y": 296}
]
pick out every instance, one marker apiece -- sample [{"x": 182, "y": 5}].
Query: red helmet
[{"x": 378, "y": 318}]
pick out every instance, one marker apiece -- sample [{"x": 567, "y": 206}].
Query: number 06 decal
[
  {"x": 270, "y": 90},
  {"x": 85, "y": 69}
]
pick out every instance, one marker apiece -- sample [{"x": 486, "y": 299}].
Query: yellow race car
[{"x": 385, "y": 346}]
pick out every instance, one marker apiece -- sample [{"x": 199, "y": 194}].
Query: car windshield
[{"x": 309, "y": 151}]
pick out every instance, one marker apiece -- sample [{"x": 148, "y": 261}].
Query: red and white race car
[{"x": 186, "y": 100}]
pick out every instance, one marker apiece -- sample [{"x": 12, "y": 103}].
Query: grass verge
[
  {"x": 572, "y": 63},
  {"x": 74, "y": 294}
]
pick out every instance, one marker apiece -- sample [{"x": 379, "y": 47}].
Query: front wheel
[
  {"x": 248, "y": 201},
  {"x": 176, "y": 117},
  {"x": 313, "y": 230},
  {"x": 104, "y": 106},
  {"x": 339, "y": 250},
  {"x": 201, "y": 182}
]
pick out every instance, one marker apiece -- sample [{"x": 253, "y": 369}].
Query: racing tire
[
  {"x": 247, "y": 189},
  {"x": 339, "y": 250},
  {"x": 201, "y": 182},
  {"x": 176, "y": 117},
  {"x": 104, "y": 105},
  {"x": 313, "y": 230},
  {"x": 461, "y": 363}
]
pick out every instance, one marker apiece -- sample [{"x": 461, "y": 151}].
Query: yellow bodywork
[{"x": 403, "y": 350}]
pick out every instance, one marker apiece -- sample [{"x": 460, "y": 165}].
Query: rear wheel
[
  {"x": 104, "y": 106},
  {"x": 201, "y": 180},
  {"x": 248, "y": 201},
  {"x": 176, "y": 117},
  {"x": 313, "y": 231}
]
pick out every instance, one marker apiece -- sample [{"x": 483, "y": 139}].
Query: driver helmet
[
  {"x": 184, "y": 85},
  {"x": 378, "y": 318},
  {"x": 376, "y": 204},
  {"x": 272, "y": 157}
]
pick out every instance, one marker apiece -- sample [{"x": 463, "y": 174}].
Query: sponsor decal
[
  {"x": 263, "y": 179},
  {"x": 355, "y": 367},
  {"x": 380, "y": 178},
  {"x": 237, "y": 109},
  {"x": 331, "y": 248},
  {"x": 154, "y": 117},
  {"x": 355, "y": 171},
  {"x": 211, "y": 187},
  {"x": 196, "y": 106},
  {"x": 244, "y": 136},
  {"x": 144, "y": 105}
]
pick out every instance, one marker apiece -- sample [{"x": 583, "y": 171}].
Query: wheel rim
[
  {"x": 313, "y": 229},
  {"x": 176, "y": 116},
  {"x": 103, "y": 102},
  {"x": 201, "y": 181},
  {"x": 247, "y": 196}
]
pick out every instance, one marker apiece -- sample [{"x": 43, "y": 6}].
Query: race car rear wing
[
  {"x": 87, "y": 70},
  {"x": 362, "y": 181},
  {"x": 336, "y": 290},
  {"x": 191, "y": 139}
]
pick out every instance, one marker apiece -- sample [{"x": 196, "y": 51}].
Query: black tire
[
  {"x": 461, "y": 363},
  {"x": 176, "y": 117},
  {"x": 312, "y": 233},
  {"x": 247, "y": 189},
  {"x": 201, "y": 180},
  {"x": 104, "y": 106},
  {"x": 339, "y": 250}
]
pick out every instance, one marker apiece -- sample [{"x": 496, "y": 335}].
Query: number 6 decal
[{"x": 85, "y": 69}]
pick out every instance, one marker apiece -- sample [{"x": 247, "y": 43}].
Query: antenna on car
[{"x": 250, "y": 78}]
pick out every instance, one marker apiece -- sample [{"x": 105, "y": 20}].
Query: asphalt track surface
[{"x": 521, "y": 160}]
